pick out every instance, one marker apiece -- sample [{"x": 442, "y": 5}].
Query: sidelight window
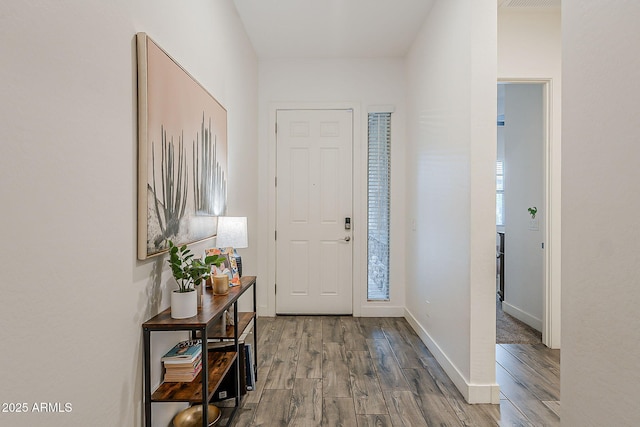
[{"x": 378, "y": 205}]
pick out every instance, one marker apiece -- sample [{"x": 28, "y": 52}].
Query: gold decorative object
[
  {"x": 192, "y": 416},
  {"x": 221, "y": 284}
]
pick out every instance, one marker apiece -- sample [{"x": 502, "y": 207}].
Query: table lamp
[{"x": 232, "y": 232}]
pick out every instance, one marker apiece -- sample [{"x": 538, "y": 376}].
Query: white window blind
[{"x": 378, "y": 205}]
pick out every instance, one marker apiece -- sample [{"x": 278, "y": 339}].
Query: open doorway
[{"x": 521, "y": 212}]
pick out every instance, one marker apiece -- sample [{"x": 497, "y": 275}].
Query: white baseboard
[
  {"x": 381, "y": 311},
  {"x": 523, "y": 316},
  {"x": 265, "y": 311},
  {"x": 365, "y": 311},
  {"x": 473, "y": 393}
]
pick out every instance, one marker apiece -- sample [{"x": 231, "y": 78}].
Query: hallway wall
[
  {"x": 450, "y": 215},
  {"x": 73, "y": 294},
  {"x": 600, "y": 205},
  {"x": 351, "y": 83}
]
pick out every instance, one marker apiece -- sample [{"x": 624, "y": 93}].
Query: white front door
[{"x": 314, "y": 197}]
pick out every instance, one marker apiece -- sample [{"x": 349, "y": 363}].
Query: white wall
[
  {"x": 451, "y": 153},
  {"x": 523, "y": 147},
  {"x": 327, "y": 83},
  {"x": 600, "y": 205},
  {"x": 73, "y": 295},
  {"x": 529, "y": 48}
]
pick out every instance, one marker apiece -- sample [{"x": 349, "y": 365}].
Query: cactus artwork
[
  {"x": 182, "y": 161},
  {"x": 210, "y": 183},
  {"x": 174, "y": 179},
  {"x": 170, "y": 203}
]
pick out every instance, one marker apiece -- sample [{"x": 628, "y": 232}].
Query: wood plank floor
[{"x": 360, "y": 372}]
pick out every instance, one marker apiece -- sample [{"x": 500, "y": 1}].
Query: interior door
[{"x": 314, "y": 199}]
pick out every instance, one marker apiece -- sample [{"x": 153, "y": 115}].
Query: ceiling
[
  {"x": 342, "y": 28},
  {"x": 332, "y": 28}
]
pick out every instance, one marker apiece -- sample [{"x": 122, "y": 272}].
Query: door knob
[{"x": 347, "y": 238}]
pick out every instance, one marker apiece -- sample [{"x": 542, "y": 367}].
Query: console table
[{"x": 216, "y": 365}]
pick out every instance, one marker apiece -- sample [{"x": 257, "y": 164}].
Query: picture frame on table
[{"x": 228, "y": 267}]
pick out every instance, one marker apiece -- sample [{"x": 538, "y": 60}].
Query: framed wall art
[{"x": 182, "y": 154}]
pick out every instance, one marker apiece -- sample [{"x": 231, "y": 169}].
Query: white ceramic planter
[{"x": 184, "y": 304}]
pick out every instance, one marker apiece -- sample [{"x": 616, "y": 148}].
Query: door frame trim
[
  {"x": 551, "y": 259},
  {"x": 359, "y": 216}
]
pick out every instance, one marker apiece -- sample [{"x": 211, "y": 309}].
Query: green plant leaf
[{"x": 214, "y": 260}]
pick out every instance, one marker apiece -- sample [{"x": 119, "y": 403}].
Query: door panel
[{"x": 314, "y": 196}]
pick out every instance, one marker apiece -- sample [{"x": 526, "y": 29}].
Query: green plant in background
[
  {"x": 187, "y": 270},
  {"x": 532, "y": 212}
]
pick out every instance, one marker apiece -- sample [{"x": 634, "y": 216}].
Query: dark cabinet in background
[{"x": 500, "y": 260}]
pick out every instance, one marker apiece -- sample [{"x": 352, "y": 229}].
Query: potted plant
[{"x": 189, "y": 272}]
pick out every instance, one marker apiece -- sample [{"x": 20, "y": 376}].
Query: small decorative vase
[{"x": 184, "y": 304}]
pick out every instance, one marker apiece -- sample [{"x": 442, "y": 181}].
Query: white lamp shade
[{"x": 232, "y": 232}]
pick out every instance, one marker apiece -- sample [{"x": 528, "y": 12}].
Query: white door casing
[{"x": 314, "y": 257}]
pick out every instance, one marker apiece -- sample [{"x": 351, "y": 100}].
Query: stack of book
[{"x": 183, "y": 362}]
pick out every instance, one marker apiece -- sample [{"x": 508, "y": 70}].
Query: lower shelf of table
[
  {"x": 219, "y": 363},
  {"x": 215, "y": 331}
]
